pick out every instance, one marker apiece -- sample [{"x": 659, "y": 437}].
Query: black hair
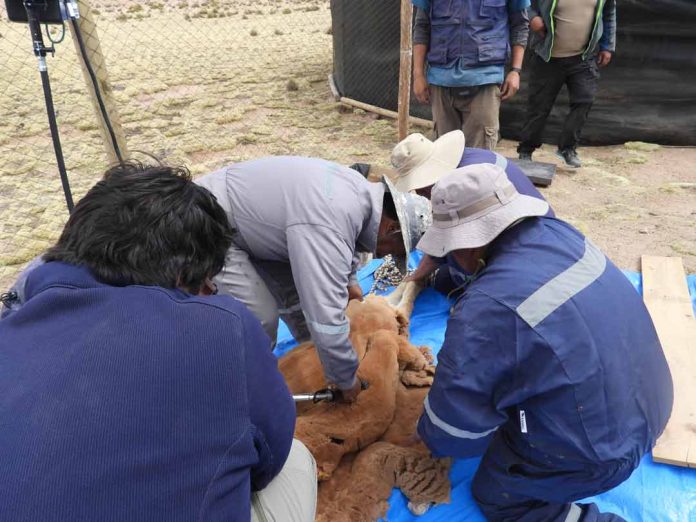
[
  {"x": 146, "y": 225},
  {"x": 388, "y": 206}
]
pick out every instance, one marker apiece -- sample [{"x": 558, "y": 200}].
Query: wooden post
[
  {"x": 405, "y": 67},
  {"x": 88, "y": 30}
]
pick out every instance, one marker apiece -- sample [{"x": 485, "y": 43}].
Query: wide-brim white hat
[
  {"x": 472, "y": 206},
  {"x": 420, "y": 162}
]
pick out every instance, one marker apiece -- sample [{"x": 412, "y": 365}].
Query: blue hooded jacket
[
  {"x": 135, "y": 403},
  {"x": 552, "y": 351}
]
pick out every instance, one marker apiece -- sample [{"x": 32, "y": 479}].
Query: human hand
[
  {"x": 426, "y": 267},
  {"x": 603, "y": 58},
  {"x": 351, "y": 395},
  {"x": 537, "y": 25},
  {"x": 510, "y": 86},
  {"x": 421, "y": 90},
  {"x": 355, "y": 292}
]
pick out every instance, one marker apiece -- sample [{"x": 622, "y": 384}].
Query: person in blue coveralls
[
  {"x": 551, "y": 368},
  {"x": 419, "y": 163},
  {"x": 127, "y": 390}
]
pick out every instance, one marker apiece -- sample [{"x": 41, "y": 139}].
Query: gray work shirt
[{"x": 315, "y": 215}]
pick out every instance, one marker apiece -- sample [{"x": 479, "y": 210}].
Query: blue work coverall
[{"x": 552, "y": 370}]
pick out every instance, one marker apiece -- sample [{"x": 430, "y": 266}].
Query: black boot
[{"x": 570, "y": 157}]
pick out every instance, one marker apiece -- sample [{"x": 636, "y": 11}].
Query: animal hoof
[{"x": 419, "y": 509}]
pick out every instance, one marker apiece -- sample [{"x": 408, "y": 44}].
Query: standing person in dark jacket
[
  {"x": 127, "y": 390},
  {"x": 551, "y": 367},
  {"x": 572, "y": 39},
  {"x": 465, "y": 45}
]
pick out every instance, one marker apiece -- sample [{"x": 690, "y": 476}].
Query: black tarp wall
[{"x": 647, "y": 93}]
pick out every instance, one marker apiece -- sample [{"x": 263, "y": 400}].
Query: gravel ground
[{"x": 203, "y": 84}]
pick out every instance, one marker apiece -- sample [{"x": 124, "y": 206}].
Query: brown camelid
[{"x": 365, "y": 449}]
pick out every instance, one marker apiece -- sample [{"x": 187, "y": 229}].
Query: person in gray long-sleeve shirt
[{"x": 299, "y": 225}]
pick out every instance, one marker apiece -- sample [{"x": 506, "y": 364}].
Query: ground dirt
[{"x": 209, "y": 83}]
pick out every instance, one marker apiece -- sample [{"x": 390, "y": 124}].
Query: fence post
[
  {"x": 405, "y": 67},
  {"x": 88, "y": 31}
]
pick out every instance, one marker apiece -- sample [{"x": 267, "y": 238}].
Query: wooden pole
[
  {"x": 384, "y": 112},
  {"x": 405, "y": 67},
  {"x": 90, "y": 37}
]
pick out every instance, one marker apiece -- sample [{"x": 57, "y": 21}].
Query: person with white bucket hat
[
  {"x": 419, "y": 163},
  {"x": 551, "y": 368}
]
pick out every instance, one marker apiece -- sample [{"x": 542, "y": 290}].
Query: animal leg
[
  {"x": 408, "y": 298},
  {"x": 332, "y": 430},
  {"x": 395, "y": 297}
]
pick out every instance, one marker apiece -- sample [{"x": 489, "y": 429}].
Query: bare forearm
[{"x": 517, "y": 56}]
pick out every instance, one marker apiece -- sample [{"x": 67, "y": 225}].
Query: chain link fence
[{"x": 194, "y": 82}]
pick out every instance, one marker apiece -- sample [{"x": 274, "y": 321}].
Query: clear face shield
[{"x": 415, "y": 216}]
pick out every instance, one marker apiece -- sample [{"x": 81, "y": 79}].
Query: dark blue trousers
[{"x": 507, "y": 488}]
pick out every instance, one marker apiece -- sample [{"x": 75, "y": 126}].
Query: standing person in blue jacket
[
  {"x": 127, "y": 390},
  {"x": 419, "y": 163},
  {"x": 571, "y": 39},
  {"x": 551, "y": 367},
  {"x": 460, "y": 48}
]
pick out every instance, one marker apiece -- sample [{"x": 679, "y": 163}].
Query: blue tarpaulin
[{"x": 653, "y": 493}]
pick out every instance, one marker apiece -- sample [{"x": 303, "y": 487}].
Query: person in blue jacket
[
  {"x": 550, "y": 368},
  {"x": 127, "y": 390},
  {"x": 419, "y": 163}
]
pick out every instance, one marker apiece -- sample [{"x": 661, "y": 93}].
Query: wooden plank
[
  {"x": 667, "y": 298},
  {"x": 404, "y": 103},
  {"x": 384, "y": 112}
]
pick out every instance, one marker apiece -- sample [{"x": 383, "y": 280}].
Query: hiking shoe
[
  {"x": 570, "y": 157},
  {"x": 525, "y": 156}
]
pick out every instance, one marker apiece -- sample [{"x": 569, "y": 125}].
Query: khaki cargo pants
[
  {"x": 292, "y": 495},
  {"x": 475, "y": 113}
]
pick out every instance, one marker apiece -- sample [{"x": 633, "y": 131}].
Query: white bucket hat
[
  {"x": 420, "y": 162},
  {"x": 472, "y": 206}
]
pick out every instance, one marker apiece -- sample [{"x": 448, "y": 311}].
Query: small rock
[
  {"x": 292, "y": 85},
  {"x": 653, "y": 213},
  {"x": 643, "y": 231}
]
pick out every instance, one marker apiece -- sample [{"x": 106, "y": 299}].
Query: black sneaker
[
  {"x": 526, "y": 156},
  {"x": 570, "y": 157}
]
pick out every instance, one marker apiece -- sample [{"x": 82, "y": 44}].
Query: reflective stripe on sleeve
[
  {"x": 328, "y": 329},
  {"x": 563, "y": 287},
  {"x": 574, "y": 514},
  {"x": 451, "y": 430},
  {"x": 501, "y": 161}
]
